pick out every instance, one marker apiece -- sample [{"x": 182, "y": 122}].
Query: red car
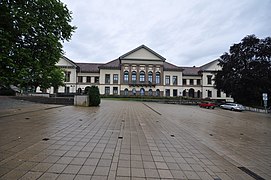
[{"x": 208, "y": 105}]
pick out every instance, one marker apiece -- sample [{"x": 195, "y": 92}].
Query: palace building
[{"x": 141, "y": 72}]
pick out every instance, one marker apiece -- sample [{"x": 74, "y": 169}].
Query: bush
[{"x": 94, "y": 96}]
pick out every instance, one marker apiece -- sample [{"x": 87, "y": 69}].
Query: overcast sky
[{"x": 186, "y": 33}]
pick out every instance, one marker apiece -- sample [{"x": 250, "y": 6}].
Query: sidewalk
[{"x": 118, "y": 140}]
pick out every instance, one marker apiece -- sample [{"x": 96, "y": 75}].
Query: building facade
[{"x": 141, "y": 72}]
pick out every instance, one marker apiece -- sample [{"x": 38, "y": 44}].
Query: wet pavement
[{"x": 131, "y": 140}]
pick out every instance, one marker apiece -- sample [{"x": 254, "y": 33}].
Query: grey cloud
[{"x": 184, "y": 32}]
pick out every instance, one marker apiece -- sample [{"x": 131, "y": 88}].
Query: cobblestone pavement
[{"x": 132, "y": 140}]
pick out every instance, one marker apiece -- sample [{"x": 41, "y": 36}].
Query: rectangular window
[
  {"x": 115, "y": 90},
  {"x": 67, "y": 76},
  {"x": 88, "y": 79},
  {"x": 107, "y": 79},
  {"x": 167, "y": 92},
  {"x": 198, "y": 82},
  {"x": 107, "y": 90},
  {"x": 167, "y": 80},
  {"x": 191, "y": 81},
  {"x": 175, "y": 92},
  {"x": 209, "y": 79},
  {"x": 96, "y": 80},
  {"x": 184, "y": 81},
  {"x": 218, "y": 93},
  {"x": 115, "y": 78},
  {"x": 80, "y": 79},
  {"x": 174, "y": 80}
]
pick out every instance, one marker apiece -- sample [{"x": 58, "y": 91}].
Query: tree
[
  {"x": 31, "y": 33},
  {"x": 246, "y": 70},
  {"x": 94, "y": 96},
  {"x": 54, "y": 78}
]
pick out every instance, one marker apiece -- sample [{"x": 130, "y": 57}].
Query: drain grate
[
  {"x": 45, "y": 139},
  {"x": 172, "y": 135},
  {"x": 120, "y": 137},
  {"x": 252, "y": 174}
]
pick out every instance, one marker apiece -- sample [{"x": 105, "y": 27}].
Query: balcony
[{"x": 142, "y": 84}]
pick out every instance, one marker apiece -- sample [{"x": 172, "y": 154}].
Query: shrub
[{"x": 94, "y": 96}]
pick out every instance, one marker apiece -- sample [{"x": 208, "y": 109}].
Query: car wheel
[
  {"x": 232, "y": 109},
  {"x": 213, "y": 107}
]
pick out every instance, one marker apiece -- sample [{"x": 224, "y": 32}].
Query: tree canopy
[
  {"x": 31, "y": 33},
  {"x": 246, "y": 70}
]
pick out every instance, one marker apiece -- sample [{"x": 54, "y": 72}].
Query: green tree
[
  {"x": 54, "y": 78},
  {"x": 246, "y": 70},
  {"x": 94, "y": 96},
  {"x": 31, "y": 33}
]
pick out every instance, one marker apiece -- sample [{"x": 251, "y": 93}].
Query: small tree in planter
[{"x": 94, "y": 96}]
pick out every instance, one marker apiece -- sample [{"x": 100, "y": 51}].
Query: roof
[
  {"x": 114, "y": 64},
  {"x": 190, "y": 71},
  {"x": 88, "y": 67},
  {"x": 70, "y": 61},
  {"x": 171, "y": 67},
  {"x": 203, "y": 67},
  {"x": 145, "y": 47}
]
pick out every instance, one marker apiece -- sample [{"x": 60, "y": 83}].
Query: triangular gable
[
  {"x": 211, "y": 66},
  {"x": 65, "y": 62},
  {"x": 142, "y": 53}
]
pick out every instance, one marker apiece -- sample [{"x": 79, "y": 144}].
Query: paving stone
[
  {"x": 91, "y": 148},
  {"x": 123, "y": 172},
  {"x": 101, "y": 171},
  {"x": 66, "y": 177},
  {"x": 164, "y": 173},
  {"x": 72, "y": 169}
]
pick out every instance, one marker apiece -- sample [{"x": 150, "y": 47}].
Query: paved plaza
[{"x": 132, "y": 140}]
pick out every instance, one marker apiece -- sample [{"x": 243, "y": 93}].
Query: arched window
[
  {"x": 198, "y": 93},
  {"x": 134, "y": 91},
  {"x": 126, "y": 76},
  {"x": 142, "y": 76},
  {"x": 191, "y": 93},
  {"x": 150, "y": 92},
  {"x": 184, "y": 92},
  {"x": 79, "y": 90},
  {"x": 157, "y": 78},
  {"x": 157, "y": 92},
  {"x": 133, "y": 76},
  {"x": 142, "y": 91},
  {"x": 126, "y": 92},
  {"x": 150, "y": 76}
]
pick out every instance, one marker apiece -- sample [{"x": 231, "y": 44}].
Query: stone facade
[{"x": 141, "y": 71}]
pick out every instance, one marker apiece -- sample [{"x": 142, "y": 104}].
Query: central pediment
[{"x": 142, "y": 53}]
